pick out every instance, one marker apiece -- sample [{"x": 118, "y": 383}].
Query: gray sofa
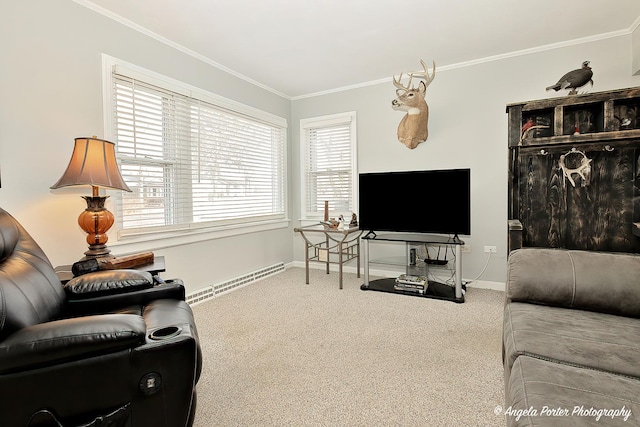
[{"x": 571, "y": 338}]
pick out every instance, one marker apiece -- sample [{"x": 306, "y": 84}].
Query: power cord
[{"x": 483, "y": 269}]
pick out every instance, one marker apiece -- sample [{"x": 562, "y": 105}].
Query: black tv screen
[{"x": 428, "y": 201}]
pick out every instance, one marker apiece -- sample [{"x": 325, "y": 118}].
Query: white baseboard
[
  {"x": 480, "y": 284},
  {"x": 486, "y": 284},
  {"x": 212, "y": 291}
]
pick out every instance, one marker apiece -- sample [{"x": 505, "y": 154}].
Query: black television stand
[
  {"x": 370, "y": 235},
  {"x": 435, "y": 289}
]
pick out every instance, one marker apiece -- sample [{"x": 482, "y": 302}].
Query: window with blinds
[
  {"x": 191, "y": 163},
  {"x": 329, "y": 164}
]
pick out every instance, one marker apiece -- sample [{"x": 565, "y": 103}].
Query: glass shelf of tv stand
[
  {"x": 419, "y": 269},
  {"x": 436, "y": 289}
]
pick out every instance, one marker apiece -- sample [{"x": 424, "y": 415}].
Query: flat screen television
[{"x": 426, "y": 201}]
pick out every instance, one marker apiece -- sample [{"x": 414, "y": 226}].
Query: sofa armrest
[
  {"x": 169, "y": 289},
  {"x": 53, "y": 342},
  {"x": 597, "y": 281},
  {"x": 108, "y": 282}
]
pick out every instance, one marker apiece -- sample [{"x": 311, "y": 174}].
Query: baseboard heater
[{"x": 209, "y": 292}]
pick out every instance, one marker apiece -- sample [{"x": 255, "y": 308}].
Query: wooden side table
[{"x": 343, "y": 243}]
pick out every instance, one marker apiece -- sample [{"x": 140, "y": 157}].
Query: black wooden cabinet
[{"x": 573, "y": 172}]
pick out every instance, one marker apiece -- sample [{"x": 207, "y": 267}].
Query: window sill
[
  {"x": 309, "y": 221},
  {"x": 162, "y": 240}
]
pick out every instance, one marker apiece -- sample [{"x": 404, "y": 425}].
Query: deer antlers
[
  {"x": 413, "y": 128},
  {"x": 428, "y": 78}
]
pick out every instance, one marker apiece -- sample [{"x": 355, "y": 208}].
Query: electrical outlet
[
  {"x": 466, "y": 248},
  {"x": 491, "y": 249}
]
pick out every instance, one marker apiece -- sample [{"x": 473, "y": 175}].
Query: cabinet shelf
[
  {"x": 601, "y": 115},
  {"x": 582, "y": 138}
]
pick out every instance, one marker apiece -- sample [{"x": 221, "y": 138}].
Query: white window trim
[
  {"x": 194, "y": 234},
  {"x": 338, "y": 118}
]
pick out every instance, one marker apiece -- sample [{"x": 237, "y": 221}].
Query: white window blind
[
  {"x": 329, "y": 164},
  {"x": 192, "y": 163}
]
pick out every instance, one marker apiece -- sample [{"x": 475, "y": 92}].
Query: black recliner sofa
[{"x": 109, "y": 348}]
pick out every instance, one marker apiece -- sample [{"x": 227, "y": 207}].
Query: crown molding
[
  {"x": 90, "y": 5},
  {"x": 126, "y": 22}
]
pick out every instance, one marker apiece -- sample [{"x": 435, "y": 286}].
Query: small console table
[
  {"x": 435, "y": 289},
  {"x": 343, "y": 243}
]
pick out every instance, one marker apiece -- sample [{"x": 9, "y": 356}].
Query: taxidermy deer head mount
[{"x": 413, "y": 128}]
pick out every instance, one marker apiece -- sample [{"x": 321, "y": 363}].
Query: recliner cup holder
[{"x": 165, "y": 333}]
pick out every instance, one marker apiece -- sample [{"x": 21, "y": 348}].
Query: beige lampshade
[{"x": 93, "y": 162}]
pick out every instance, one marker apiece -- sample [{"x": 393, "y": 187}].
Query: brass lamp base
[{"x": 96, "y": 220}]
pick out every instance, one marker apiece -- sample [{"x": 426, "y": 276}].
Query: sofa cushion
[
  {"x": 543, "y": 393},
  {"x": 597, "y": 340},
  {"x": 597, "y": 281}
]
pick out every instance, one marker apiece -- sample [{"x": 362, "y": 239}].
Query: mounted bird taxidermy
[
  {"x": 413, "y": 128},
  {"x": 575, "y": 79}
]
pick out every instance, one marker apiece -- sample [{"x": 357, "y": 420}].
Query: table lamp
[{"x": 93, "y": 162}]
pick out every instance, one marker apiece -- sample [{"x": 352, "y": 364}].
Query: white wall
[
  {"x": 467, "y": 128},
  {"x": 51, "y": 93},
  {"x": 635, "y": 49}
]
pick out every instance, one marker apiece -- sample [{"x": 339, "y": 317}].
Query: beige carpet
[{"x": 282, "y": 353}]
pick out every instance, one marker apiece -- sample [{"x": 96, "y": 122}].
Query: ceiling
[{"x": 300, "y": 47}]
